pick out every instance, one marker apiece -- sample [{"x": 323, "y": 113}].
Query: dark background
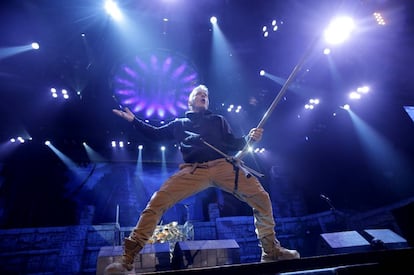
[{"x": 360, "y": 162}]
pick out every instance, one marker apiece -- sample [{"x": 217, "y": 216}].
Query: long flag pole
[{"x": 278, "y": 97}]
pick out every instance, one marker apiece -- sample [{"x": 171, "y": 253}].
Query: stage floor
[{"x": 392, "y": 262}]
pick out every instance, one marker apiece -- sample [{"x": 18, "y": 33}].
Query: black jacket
[{"x": 206, "y": 126}]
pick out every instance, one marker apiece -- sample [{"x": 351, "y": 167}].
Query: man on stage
[{"x": 205, "y": 139}]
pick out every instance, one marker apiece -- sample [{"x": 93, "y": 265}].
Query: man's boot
[
  {"x": 131, "y": 249},
  {"x": 272, "y": 251}
]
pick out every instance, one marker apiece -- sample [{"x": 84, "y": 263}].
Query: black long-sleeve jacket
[{"x": 212, "y": 128}]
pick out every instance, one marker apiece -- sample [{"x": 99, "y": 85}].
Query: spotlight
[
  {"x": 213, "y": 20},
  {"x": 339, "y": 30},
  {"x": 314, "y": 101},
  {"x": 35, "y": 45},
  {"x": 65, "y": 94},
  {"x": 363, "y": 90},
  {"x": 262, "y": 72},
  {"x": 274, "y": 27},
  {"x": 354, "y": 95},
  {"x": 379, "y": 19},
  {"x": 113, "y": 10}
]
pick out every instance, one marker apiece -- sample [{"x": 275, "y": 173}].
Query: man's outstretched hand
[{"x": 125, "y": 114}]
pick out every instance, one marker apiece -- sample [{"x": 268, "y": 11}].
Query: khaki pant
[{"x": 193, "y": 178}]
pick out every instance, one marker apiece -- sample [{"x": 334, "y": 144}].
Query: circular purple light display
[{"x": 154, "y": 84}]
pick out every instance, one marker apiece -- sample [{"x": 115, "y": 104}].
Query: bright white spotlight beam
[
  {"x": 113, "y": 10},
  {"x": 213, "y": 20},
  {"x": 35, "y": 45},
  {"x": 339, "y": 30}
]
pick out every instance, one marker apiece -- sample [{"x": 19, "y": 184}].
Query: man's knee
[
  {"x": 160, "y": 201},
  {"x": 263, "y": 196}
]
